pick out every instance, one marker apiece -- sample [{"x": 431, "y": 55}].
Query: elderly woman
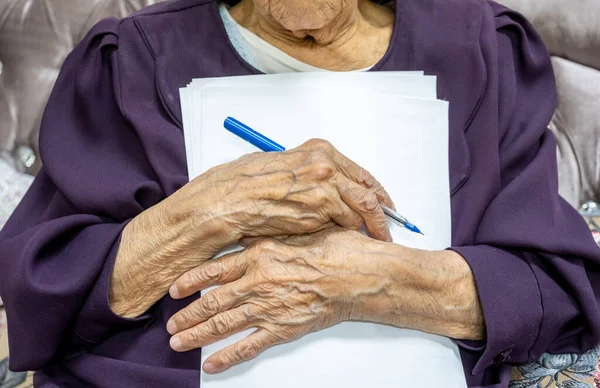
[{"x": 103, "y": 260}]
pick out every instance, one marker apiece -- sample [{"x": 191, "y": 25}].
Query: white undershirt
[{"x": 260, "y": 53}]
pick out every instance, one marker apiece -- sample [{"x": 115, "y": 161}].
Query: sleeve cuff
[
  {"x": 511, "y": 302},
  {"x": 96, "y": 322}
]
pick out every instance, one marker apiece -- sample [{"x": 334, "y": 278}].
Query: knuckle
[
  {"x": 228, "y": 358},
  {"x": 266, "y": 288},
  {"x": 188, "y": 281},
  {"x": 220, "y": 324},
  {"x": 247, "y": 351},
  {"x": 210, "y": 303},
  {"x": 323, "y": 170},
  {"x": 192, "y": 337},
  {"x": 367, "y": 179},
  {"x": 186, "y": 318},
  {"x": 267, "y": 244},
  {"x": 212, "y": 269},
  {"x": 250, "y": 155},
  {"x": 248, "y": 313},
  {"x": 381, "y": 224},
  {"x": 319, "y": 144},
  {"x": 181, "y": 319},
  {"x": 320, "y": 196},
  {"x": 380, "y": 191},
  {"x": 370, "y": 203}
]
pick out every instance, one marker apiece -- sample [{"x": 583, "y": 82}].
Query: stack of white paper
[{"x": 392, "y": 124}]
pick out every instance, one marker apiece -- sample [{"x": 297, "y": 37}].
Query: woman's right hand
[{"x": 303, "y": 190}]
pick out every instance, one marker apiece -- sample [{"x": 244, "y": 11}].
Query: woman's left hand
[
  {"x": 292, "y": 287},
  {"x": 285, "y": 288}
]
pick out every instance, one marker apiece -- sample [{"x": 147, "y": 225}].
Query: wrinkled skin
[
  {"x": 299, "y": 285},
  {"x": 303, "y": 190},
  {"x": 303, "y": 15},
  {"x": 337, "y": 35}
]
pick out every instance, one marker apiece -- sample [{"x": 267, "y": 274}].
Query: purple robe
[{"x": 112, "y": 145}]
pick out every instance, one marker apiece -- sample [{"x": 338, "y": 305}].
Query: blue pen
[
  {"x": 264, "y": 143},
  {"x": 251, "y": 136}
]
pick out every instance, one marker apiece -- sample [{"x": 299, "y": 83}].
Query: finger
[
  {"x": 221, "y": 270},
  {"x": 347, "y": 218},
  {"x": 241, "y": 351},
  {"x": 212, "y": 303},
  {"x": 216, "y": 328},
  {"x": 365, "y": 203},
  {"x": 361, "y": 176},
  {"x": 350, "y": 169},
  {"x": 342, "y": 214}
]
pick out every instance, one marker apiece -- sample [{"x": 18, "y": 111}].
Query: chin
[
  {"x": 302, "y": 15},
  {"x": 305, "y": 24}
]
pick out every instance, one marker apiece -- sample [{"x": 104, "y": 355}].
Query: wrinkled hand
[
  {"x": 286, "y": 289},
  {"x": 303, "y": 190}
]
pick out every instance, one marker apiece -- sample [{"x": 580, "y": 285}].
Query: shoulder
[
  {"x": 474, "y": 17},
  {"x": 169, "y": 14},
  {"x": 163, "y": 29},
  {"x": 460, "y": 25},
  {"x": 501, "y": 36},
  {"x": 163, "y": 11},
  {"x": 160, "y": 48},
  {"x": 170, "y": 25},
  {"x": 168, "y": 7}
]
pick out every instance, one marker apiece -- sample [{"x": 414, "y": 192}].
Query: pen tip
[{"x": 422, "y": 233}]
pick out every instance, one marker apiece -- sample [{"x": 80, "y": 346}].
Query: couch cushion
[
  {"x": 35, "y": 38},
  {"x": 576, "y": 125},
  {"x": 570, "y": 28}
]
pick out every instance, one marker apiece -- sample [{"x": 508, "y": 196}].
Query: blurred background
[{"x": 37, "y": 35}]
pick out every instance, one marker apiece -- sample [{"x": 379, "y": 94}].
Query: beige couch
[
  {"x": 571, "y": 30},
  {"x": 36, "y": 36}
]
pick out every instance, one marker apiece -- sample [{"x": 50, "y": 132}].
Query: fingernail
[
  {"x": 171, "y": 327},
  {"x": 174, "y": 292},
  {"x": 175, "y": 343},
  {"x": 209, "y": 367}
]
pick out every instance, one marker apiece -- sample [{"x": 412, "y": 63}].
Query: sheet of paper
[
  {"x": 406, "y": 83},
  {"x": 319, "y": 78},
  {"x": 404, "y": 143},
  {"x": 186, "y": 106}
]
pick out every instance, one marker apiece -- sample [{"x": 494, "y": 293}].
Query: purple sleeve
[
  {"x": 57, "y": 250},
  {"x": 536, "y": 266}
]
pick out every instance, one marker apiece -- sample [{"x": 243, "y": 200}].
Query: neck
[{"x": 356, "y": 36}]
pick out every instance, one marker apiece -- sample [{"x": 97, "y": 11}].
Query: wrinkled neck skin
[{"x": 339, "y": 35}]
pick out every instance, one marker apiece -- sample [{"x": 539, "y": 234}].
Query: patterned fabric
[
  {"x": 10, "y": 379},
  {"x": 559, "y": 371},
  {"x": 13, "y": 186}
]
